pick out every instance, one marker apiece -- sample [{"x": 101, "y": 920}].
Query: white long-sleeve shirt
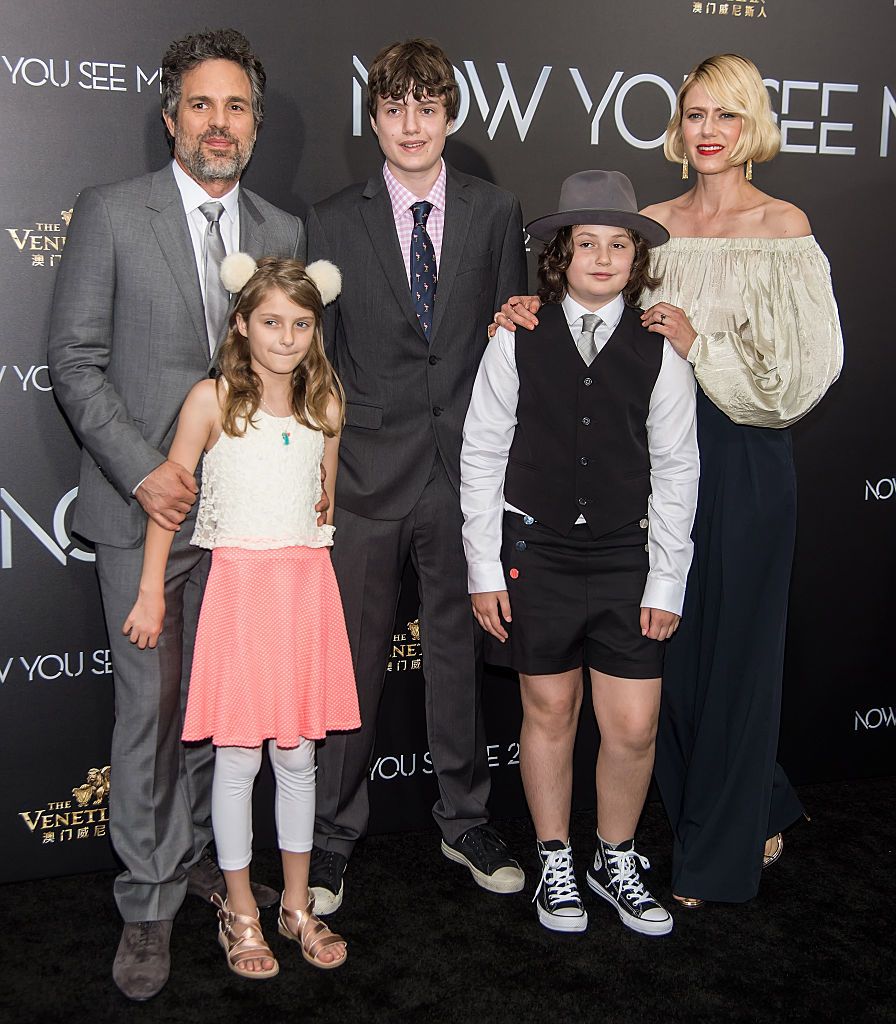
[{"x": 672, "y": 445}]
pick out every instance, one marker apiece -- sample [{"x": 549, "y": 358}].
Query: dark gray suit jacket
[
  {"x": 407, "y": 399},
  {"x": 128, "y": 336}
]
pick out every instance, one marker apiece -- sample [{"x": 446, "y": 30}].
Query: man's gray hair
[{"x": 219, "y": 44}]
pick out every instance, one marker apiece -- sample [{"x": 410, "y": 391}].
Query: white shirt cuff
[
  {"x": 485, "y": 577},
  {"x": 666, "y": 595}
]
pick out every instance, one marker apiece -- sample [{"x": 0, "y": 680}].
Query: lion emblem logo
[
  {"x": 67, "y": 215},
  {"x": 95, "y": 789},
  {"x": 414, "y": 629}
]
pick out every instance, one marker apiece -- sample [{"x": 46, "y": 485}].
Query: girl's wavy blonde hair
[
  {"x": 314, "y": 381},
  {"x": 736, "y": 86}
]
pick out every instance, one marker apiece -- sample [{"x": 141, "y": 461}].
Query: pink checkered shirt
[{"x": 403, "y": 200}]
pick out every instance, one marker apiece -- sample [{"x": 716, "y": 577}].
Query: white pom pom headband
[{"x": 238, "y": 267}]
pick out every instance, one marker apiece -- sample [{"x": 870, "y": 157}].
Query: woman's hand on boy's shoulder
[
  {"x": 658, "y": 624},
  {"x": 673, "y": 324},
  {"x": 489, "y": 607},
  {"x": 517, "y": 311}
]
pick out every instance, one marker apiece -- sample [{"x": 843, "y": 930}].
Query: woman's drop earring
[
  {"x": 684, "y": 169},
  {"x": 749, "y": 172}
]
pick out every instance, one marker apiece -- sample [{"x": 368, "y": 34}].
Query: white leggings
[{"x": 235, "y": 771}]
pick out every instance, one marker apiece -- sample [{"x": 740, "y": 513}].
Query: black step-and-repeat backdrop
[{"x": 546, "y": 90}]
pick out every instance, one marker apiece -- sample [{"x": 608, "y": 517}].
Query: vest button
[
  {"x": 583, "y": 502},
  {"x": 583, "y": 461},
  {"x": 433, "y": 360},
  {"x": 520, "y": 545},
  {"x": 587, "y": 382},
  {"x": 528, "y": 520},
  {"x": 643, "y": 524},
  {"x": 586, "y": 420},
  {"x": 437, "y": 410}
]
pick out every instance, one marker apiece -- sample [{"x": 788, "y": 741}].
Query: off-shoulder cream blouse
[{"x": 769, "y": 342}]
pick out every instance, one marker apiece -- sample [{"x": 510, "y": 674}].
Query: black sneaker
[
  {"x": 325, "y": 880},
  {"x": 557, "y": 901},
  {"x": 484, "y": 852},
  {"x": 615, "y": 877}
]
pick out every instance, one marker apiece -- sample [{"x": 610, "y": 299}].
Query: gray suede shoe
[
  {"x": 142, "y": 961},
  {"x": 204, "y": 879}
]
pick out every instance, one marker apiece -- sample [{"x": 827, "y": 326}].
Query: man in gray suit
[
  {"x": 427, "y": 254},
  {"x": 137, "y": 316}
]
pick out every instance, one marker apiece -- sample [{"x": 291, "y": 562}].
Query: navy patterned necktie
[{"x": 423, "y": 268}]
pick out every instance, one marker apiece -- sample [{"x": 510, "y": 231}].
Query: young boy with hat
[{"x": 579, "y": 474}]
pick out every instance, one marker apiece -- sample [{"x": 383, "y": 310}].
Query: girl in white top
[{"x": 271, "y": 660}]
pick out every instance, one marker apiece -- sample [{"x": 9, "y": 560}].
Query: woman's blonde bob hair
[{"x": 735, "y": 84}]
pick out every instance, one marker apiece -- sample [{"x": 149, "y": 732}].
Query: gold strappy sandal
[
  {"x": 769, "y": 858},
  {"x": 312, "y": 935},
  {"x": 688, "y": 902},
  {"x": 248, "y": 945}
]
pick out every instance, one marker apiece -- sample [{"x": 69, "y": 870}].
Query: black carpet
[{"x": 425, "y": 944}]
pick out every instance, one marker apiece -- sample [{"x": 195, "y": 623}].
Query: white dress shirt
[
  {"x": 672, "y": 445},
  {"x": 193, "y": 195}
]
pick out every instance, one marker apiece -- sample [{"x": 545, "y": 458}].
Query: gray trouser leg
[{"x": 151, "y": 818}]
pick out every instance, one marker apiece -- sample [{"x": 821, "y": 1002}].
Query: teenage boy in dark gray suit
[
  {"x": 137, "y": 316},
  {"x": 426, "y": 254}
]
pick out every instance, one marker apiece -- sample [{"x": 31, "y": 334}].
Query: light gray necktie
[
  {"x": 217, "y": 301},
  {"x": 586, "y": 344}
]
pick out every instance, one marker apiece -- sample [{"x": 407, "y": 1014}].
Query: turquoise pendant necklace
[{"x": 284, "y": 434}]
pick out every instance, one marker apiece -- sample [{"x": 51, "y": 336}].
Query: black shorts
[{"x": 575, "y": 600}]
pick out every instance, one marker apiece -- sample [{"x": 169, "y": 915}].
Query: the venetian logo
[
  {"x": 84, "y": 816},
  {"x": 754, "y": 9},
  {"x": 43, "y": 243},
  {"x": 407, "y": 650}
]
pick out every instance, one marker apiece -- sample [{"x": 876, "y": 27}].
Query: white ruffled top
[
  {"x": 769, "y": 343},
  {"x": 259, "y": 492}
]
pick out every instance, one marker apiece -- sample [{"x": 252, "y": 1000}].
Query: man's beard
[{"x": 208, "y": 167}]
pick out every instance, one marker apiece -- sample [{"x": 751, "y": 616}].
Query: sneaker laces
[
  {"x": 325, "y": 857},
  {"x": 557, "y": 878},
  {"x": 325, "y": 865},
  {"x": 624, "y": 875},
  {"x": 486, "y": 838}
]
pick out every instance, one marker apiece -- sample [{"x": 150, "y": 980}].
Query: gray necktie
[
  {"x": 217, "y": 300},
  {"x": 586, "y": 344}
]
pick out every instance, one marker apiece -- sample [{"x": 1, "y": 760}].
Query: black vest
[{"x": 580, "y": 446}]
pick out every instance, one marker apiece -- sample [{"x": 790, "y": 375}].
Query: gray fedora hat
[{"x": 598, "y": 197}]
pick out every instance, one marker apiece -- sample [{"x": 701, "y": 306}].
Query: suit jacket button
[
  {"x": 583, "y": 461},
  {"x": 433, "y": 360},
  {"x": 437, "y": 410},
  {"x": 587, "y": 382},
  {"x": 586, "y": 420},
  {"x": 520, "y": 545},
  {"x": 583, "y": 502}
]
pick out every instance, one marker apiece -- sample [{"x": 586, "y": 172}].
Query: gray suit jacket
[
  {"x": 128, "y": 336},
  {"x": 407, "y": 399}
]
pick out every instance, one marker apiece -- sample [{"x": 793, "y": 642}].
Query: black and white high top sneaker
[
  {"x": 615, "y": 877},
  {"x": 557, "y": 901}
]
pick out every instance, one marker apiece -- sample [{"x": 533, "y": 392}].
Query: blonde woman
[{"x": 745, "y": 296}]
